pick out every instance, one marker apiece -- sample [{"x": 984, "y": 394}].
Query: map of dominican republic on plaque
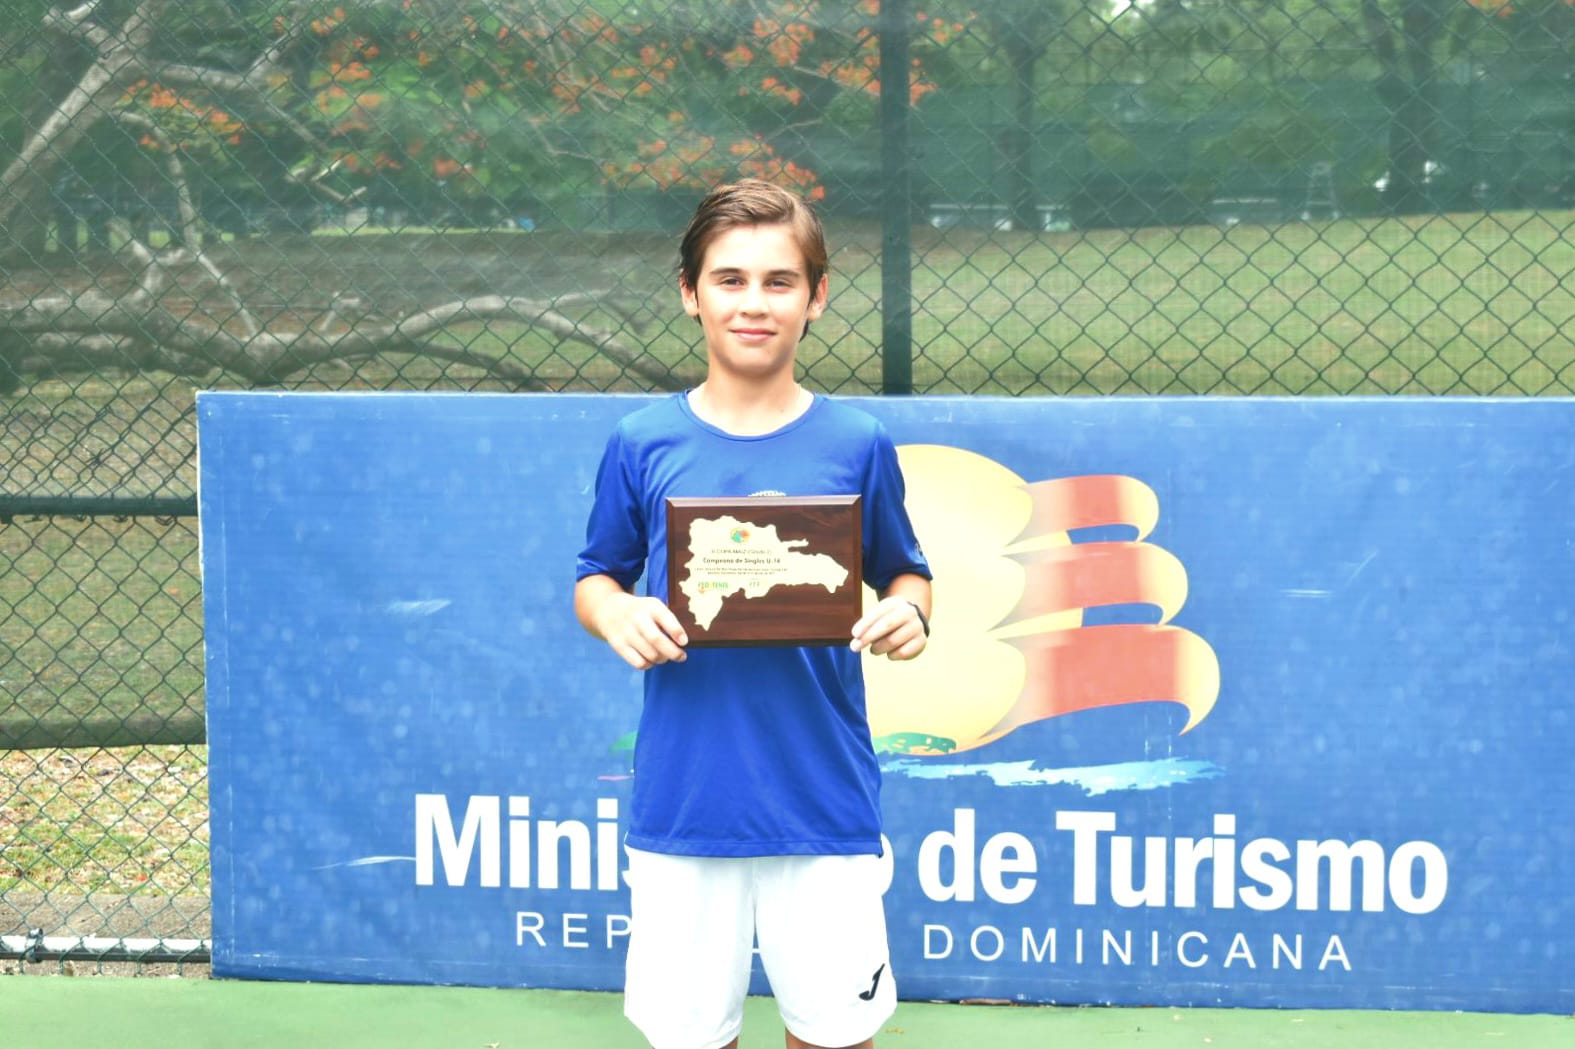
[
  {"x": 765, "y": 570},
  {"x": 733, "y": 557}
]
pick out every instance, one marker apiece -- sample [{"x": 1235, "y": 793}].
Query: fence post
[{"x": 896, "y": 301}]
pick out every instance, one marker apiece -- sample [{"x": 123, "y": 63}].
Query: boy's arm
[
  {"x": 642, "y": 630},
  {"x": 897, "y": 627}
]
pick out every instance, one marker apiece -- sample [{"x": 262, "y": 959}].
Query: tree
[
  {"x": 1404, "y": 40},
  {"x": 1023, "y": 29},
  {"x": 471, "y": 109},
  {"x": 126, "y": 57},
  {"x": 1401, "y": 45}
]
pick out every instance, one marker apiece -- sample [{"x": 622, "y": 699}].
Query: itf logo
[{"x": 1011, "y": 645}]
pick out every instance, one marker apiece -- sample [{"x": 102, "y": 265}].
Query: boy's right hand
[{"x": 642, "y": 630}]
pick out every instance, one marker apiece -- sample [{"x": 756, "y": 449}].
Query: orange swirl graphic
[
  {"x": 1088, "y": 575},
  {"x": 1087, "y": 502},
  {"x": 1106, "y": 666},
  {"x": 1010, "y": 646},
  {"x": 1100, "y": 666}
]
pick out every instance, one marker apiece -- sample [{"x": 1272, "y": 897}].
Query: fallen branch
[
  {"x": 190, "y": 231},
  {"x": 134, "y": 330}
]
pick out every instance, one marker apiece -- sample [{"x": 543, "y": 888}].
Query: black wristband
[{"x": 925, "y": 623}]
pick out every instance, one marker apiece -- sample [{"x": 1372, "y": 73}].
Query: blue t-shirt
[{"x": 750, "y": 751}]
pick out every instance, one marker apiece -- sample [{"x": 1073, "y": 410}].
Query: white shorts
[{"x": 821, "y": 925}]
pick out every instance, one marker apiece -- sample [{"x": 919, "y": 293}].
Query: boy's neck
[{"x": 748, "y": 410}]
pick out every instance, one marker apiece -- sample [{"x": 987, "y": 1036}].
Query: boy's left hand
[{"x": 892, "y": 629}]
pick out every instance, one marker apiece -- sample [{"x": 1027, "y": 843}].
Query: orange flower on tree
[
  {"x": 328, "y": 100},
  {"x": 784, "y": 50},
  {"x": 351, "y": 71},
  {"x": 772, "y": 86}
]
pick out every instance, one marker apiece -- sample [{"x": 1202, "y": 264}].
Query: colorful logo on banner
[{"x": 1010, "y": 645}]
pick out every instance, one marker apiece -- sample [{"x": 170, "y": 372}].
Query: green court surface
[{"x": 60, "y": 1012}]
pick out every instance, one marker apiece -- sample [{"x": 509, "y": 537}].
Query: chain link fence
[{"x": 1047, "y": 197}]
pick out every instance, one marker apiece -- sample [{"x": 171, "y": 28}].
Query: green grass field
[
  {"x": 61, "y": 1013},
  {"x": 1476, "y": 304},
  {"x": 1437, "y": 305},
  {"x": 100, "y": 621}
]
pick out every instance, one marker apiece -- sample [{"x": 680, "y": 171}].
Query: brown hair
[{"x": 751, "y": 202}]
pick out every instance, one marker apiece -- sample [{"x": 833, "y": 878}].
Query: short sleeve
[
  {"x": 615, "y": 533},
  {"x": 891, "y": 548}
]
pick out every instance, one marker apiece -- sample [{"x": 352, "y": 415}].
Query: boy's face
[{"x": 753, "y": 298}]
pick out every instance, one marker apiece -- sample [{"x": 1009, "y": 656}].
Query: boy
[{"x": 756, "y": 807}]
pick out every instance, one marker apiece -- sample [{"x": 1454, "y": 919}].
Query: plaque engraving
[{"x": 765, "y": 570}]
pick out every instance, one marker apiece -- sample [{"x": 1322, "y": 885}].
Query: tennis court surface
[{"x": 61, "y": 1012}]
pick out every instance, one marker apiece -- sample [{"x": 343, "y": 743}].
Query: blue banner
[{"x": 1229, "y": 701}]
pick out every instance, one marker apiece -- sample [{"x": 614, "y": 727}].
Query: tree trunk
[
  {"x": 1421, "y": 23},
  {"x": 1022, "y": 197},
  {"x": 1407, "y": 88},
  {"x": 24, "y": 237}
]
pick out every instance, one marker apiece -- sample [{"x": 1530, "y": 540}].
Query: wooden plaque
[{"x": 766, "y": 570}]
